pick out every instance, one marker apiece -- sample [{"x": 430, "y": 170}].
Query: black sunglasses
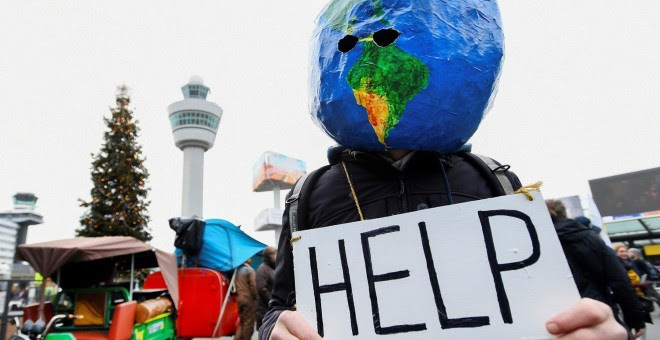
[{"x": 382, "y": 38}]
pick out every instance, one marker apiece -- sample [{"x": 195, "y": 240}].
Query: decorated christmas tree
[{"x": 118, "y": 205}]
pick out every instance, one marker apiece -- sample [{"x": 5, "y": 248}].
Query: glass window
[
  {"x": 624, "y": 227},
  {"x": 194, "y": 118},
  {"x": 653, "y": 223}
]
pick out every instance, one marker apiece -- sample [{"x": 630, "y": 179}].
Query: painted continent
[{"x": 384, "y": 80}]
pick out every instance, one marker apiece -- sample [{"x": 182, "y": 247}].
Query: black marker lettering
[
  {"x": 318, "y": 290},
  {"x": 497, "y": 268},
  {"x": 445, "y": 321},
  {"x": 372, "y": 279}
]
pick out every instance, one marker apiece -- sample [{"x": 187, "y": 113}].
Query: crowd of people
[
  {"x": 253, "y": 293},
  {"x": 618, "y": 276}
]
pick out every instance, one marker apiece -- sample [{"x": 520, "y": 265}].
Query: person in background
[
  {"x": 649, "y": 269},
  {"x": 596, "y": 270},
  {"x": 635, "y": 275},
  {"x": 246, "y": 290},
  {"x": 51, "y": 289},
  {"x": 265, "y": 275},
  {"x": 587, "y": 223}
]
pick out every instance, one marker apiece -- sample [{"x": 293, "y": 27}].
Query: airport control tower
[
  {"x": 14, "y": 225},
  {"x": 194, "y": 122}
]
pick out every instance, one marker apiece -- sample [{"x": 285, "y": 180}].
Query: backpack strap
[
  {"x": 297, "y": 202},
  {"x": 496, "y": 171},
  {"x": 292, "y": 201}
]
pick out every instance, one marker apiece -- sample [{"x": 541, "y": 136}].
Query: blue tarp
[{"x": 225, "y": 247}]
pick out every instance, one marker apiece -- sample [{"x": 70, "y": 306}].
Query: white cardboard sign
[{"x": 488, "y": 269}]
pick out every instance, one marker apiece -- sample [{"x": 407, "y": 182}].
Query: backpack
[
  {"x": 491, "y": 170},
  {"x": 189, "y": 235}
]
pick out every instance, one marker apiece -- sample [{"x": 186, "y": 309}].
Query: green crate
[
  {"x": 160, "y": 327},
  {"x": 60, "y": 336}
]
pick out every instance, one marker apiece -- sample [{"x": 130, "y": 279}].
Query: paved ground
[{"x": 653, "y": 331}]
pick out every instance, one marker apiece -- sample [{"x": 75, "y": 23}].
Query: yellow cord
[
  {"x": 357, "y": 204},
  {"x": 526, "y": 190},
  {"x": 294, "y": 239}
]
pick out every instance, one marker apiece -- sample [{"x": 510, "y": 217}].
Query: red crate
[{"x": 201, "y": 293}]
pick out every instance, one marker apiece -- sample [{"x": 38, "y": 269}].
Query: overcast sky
[{"x": 578, "y": 99}]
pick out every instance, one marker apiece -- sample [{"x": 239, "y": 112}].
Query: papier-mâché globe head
[{"x": 414, "y": 75}]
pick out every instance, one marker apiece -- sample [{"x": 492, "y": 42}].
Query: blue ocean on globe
[{"x": 414, "y": 75}]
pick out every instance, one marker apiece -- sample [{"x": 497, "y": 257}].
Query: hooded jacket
[
  {"x": 265, "y": 275},
  {"x": 597, "y": 270},
  {"x": 384, "y": 187},
  {"x": 246, "y": 288}
]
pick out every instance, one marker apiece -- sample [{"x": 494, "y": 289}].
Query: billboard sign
[
  {"x": 276, "y": 170},
  {"x": 627, "y": 194}
]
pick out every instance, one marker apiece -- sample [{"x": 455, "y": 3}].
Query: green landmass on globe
[{"x": 384, "y": 80}]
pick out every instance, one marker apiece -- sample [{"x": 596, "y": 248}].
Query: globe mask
[{"x": 415, "y": 75}]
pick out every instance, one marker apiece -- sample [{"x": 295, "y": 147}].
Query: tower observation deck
[{"x": 194, "y": 122}]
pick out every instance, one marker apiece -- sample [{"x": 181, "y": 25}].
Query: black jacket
[
  {"x": 384, "y": 188},
  {"x": 265, "y": 275},
  {"x": 597, "y": 271},
  {"x": 645, "y": 267}
]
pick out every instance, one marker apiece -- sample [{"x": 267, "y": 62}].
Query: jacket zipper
[{"x": 402, "y": 193}]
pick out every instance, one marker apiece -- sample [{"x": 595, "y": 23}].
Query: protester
[
  {"x": 646, "y": 266},
  {"x": 635, "y": 274},
  {"x": 597, "y": 271},
  {"x": 265, "y": 275},
  {"x": 246, "y": 290},
  {"x": 402, "y": 111},
  {"x": 653, "y": 275}
]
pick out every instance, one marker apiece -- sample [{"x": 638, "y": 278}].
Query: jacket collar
[{"x": 340, "y": 153}]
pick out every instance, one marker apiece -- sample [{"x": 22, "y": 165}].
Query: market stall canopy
[
  {"x": 48, "y": 257},
  {"x": 225, "y": 247}
]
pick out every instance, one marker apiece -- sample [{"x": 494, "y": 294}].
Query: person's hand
[
  {"x": 588, "y": 319},
  {"x": 638, "y": 332},
  {"x": 290, "y": 326}
]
